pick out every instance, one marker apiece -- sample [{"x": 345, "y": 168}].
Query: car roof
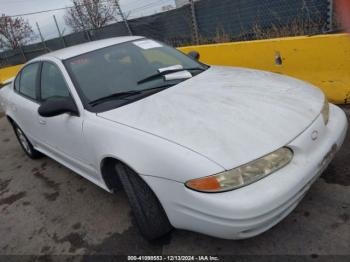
[{"x": 76, "y": 50}]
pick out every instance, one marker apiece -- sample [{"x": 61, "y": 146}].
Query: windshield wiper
[
  {"x": 127, "y": 94},
  {"x": 114, "y": 96},
  {"x": 165, "y": 72},
  {"x": 156, "y": 88}
]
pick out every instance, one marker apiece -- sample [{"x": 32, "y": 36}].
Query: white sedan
[{"x": 228, "y": 152}]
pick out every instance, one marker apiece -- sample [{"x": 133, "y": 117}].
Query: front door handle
[{"x": 42, "y": 122}]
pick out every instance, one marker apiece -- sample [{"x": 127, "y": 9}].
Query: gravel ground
[{"x": 48, "y": 210}]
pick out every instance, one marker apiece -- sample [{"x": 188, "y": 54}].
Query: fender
[{"x": 143, "y": 152}]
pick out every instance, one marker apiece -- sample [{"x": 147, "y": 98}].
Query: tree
[
  {"x": 14, "y": 32},
  {"x": 90, "y": 14}
]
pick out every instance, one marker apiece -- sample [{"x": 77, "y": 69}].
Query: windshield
[{"x": 120, "y": 68}]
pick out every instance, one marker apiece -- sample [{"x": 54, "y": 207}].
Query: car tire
[
  {"x": 149, "y": 214},
  {"x": 25, "y": 143}
]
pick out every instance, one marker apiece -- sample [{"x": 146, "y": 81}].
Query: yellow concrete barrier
[
  {"x": 8, "y": 72},
  {"x": 322, "y": 60}
]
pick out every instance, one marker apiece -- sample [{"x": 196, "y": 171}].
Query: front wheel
[
  {"x": 149, "y": 213},
  {"x": 25, "y": 143}
]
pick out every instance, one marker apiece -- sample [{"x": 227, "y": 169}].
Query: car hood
[{"x": 229, "y": 115}]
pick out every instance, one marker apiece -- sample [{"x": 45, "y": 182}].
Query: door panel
[
  {"x": 62, "y": 135},
  {"x": 25, "y": 102},
  {"x": 25, "y": 112}
]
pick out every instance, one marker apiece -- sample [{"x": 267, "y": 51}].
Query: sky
[{"x": 133, "y": 8}]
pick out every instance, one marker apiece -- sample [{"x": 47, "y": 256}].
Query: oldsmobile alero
[{"x": 228, "y": 152}]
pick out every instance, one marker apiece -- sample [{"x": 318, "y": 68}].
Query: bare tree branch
[
  {"x": 90, "y": 14},
  {"x": 14, "y": 32}
]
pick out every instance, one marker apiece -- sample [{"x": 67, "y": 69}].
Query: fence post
[
  {"x": 59, "y": 31},
  {"x": 194, "y": 22},
  {"x": 330, "y": 15},
  {"x": 41, "y": 37},
  {"x": 3, "y": 59},
  {"x": 123, "y": 17},
  {"x": 6, "y": 59},
  {"x": 23, "y": 54}
]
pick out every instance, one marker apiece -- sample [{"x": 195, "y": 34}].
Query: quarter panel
[{"x": 21, "y": 110}]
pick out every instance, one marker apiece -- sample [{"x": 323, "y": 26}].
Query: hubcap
[{"x": 23, "y": 140}]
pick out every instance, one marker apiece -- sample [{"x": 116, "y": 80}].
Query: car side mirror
[
  {"x": 194, "y": 55},
  {"x": 57, "y": 106}
]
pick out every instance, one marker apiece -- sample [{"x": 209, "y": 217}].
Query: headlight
[
  {"x": 243, "y": 175},
  {"x": 325, "y": 111}
]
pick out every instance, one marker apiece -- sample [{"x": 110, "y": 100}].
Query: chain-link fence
[{"x": 204, "y": 21}]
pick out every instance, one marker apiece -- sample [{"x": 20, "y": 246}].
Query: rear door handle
[{"x": 42, "y": 122}]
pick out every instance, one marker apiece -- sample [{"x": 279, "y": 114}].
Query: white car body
[{"x": 221, "y": 119}]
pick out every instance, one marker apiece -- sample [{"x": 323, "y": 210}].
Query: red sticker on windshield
[{"x": 80, "y": 61}]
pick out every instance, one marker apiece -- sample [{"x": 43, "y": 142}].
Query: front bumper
[{"x": 253, "y": 209}]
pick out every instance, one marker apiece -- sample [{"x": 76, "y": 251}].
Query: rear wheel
[
  {"x": 149, "y": 213},
  {"x": 25, "y": 143}
]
